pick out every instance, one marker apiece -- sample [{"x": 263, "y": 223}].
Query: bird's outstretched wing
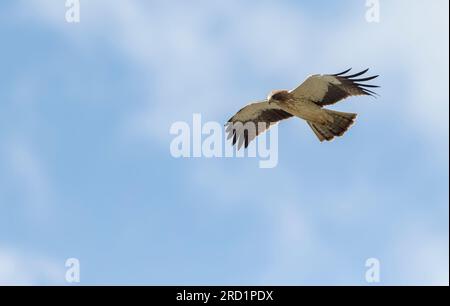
[
  {"x": 253, "y": 120},
  {"x": 329, "y": 89}
]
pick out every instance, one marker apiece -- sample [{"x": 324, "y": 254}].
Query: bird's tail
[{"x": 340, "y": 124}]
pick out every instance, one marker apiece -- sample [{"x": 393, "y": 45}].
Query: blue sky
[{"x": 86, "y": 170}]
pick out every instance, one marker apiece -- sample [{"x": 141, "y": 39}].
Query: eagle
[{"x": 306, "y": 102}]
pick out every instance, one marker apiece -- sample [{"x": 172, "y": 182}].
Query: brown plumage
[{"x": 306, "y": 102}]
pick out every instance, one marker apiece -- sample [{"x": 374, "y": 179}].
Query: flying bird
[{"x": 306, "y": 102}]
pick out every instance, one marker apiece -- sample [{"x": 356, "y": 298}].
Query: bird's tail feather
[{"x": 341, "y": 123}]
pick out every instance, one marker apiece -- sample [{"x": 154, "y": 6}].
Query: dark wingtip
[
  {"x": 370, "y": 93},
  {"x": 364, "y": 87},
  {"x": 367, "y": 85},
  {"x": 366, "y": 79},
  {"x": 357, "y": 74},
  {"x": 234, "y": 138},
  {"x": 341, "y": 73}
]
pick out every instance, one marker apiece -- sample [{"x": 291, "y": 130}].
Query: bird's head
[{"x": 278, "y": 96}]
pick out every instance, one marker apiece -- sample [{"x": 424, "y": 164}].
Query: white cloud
[
  {"x": 420, "y": 256},
  {"x": 292, "y": 246},
  {"x": 188, "y": 55},
  {"x": 28, "y": 179},
  {"x": 188, "y": 69},
  {"x": 412, "y": 43},
  {"x": 24, "y": 268},
  {"x": 183, "y": 54}
]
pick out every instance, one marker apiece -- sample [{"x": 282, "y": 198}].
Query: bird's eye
[{"x": 276, "y": 96}]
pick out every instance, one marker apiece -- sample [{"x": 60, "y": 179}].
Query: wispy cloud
[
  {"x": 198, "y": 51},
  {"x": 199, "y": 58},
  {"x": 28, "y": 180},
  {"x": 411, "y": 43},
  {"x": 28, "y": 268}
]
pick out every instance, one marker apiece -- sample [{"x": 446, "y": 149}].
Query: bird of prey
[{"x": 307, "y": 102}]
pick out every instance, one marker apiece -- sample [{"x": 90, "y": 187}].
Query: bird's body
[
  {"x": 305, "y": 102},
  {"x": 299, "y": 107}
]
